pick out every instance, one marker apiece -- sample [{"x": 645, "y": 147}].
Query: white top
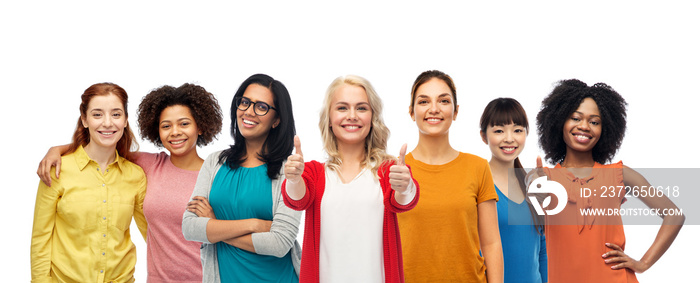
[{"x": 352, "y": 217}]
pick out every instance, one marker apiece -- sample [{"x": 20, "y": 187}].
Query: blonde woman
[{"x": 351, "y": 200}]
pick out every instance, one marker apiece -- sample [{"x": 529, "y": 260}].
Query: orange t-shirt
[
  {"x": 440, "y": 236},
  {"x": 576, "y": 243}
]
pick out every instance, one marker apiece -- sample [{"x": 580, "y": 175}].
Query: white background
[{"x": 51, "y": 51}]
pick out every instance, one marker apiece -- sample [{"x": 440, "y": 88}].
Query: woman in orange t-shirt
[
  {"x": 580, "y": 129},
  {"x": 452, "y": 235}
]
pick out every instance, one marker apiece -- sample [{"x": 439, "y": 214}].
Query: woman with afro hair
[
  {"x": 581, "y": 128},
  {"x": 178, "y": 119}
]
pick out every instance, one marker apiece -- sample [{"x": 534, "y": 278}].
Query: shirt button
[
  {"x": 107, "y": 170},
  {"x": 104, "y": 218},
  {"x": 102, "y": 271},
  {"x": 104, "y": 200},
  {"x": 103, "y": 185},
  {"x": 103, "y": 253}
]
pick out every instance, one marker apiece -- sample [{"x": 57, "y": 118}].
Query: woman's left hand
[
  {"x": 619, "y": 255},
  {"x": 399, "y": 175},
  {"x": 200, "y": 206}
]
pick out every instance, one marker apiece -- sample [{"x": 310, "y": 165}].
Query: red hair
[{"x": 81, "y": 136}]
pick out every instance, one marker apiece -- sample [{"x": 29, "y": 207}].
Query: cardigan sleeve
[
  {"x": 194, "y": 228},
  {"x": 389, "y": 200},
  {"x": 284, "y": 229},
  {"x": 312, "y": 171}
]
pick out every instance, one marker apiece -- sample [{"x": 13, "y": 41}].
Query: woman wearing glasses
[{"x": 237, "y": 211}]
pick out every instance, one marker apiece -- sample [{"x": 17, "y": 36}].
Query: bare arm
[
  {"x": 490, "y": 239},
  {"x": 52, "y": 158},
  {"x": 668, "y": 231}
]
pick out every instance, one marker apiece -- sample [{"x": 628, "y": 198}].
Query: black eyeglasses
[{"x": 260, "y": 108}]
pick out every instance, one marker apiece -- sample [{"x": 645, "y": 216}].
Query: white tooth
[
  {"x": 177, "y": 142},
  {"x": 248, "y": 122}
]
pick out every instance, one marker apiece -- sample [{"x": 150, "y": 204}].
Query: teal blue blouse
[
  {"x": 245, "y": 193},
  {"x": 524, "y": 250}
]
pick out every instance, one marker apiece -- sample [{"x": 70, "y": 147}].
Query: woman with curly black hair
[
  {"x": 580, "y": 129},
  {"x": 237, "y": 211},
  {"x": 178, "y": 119}
]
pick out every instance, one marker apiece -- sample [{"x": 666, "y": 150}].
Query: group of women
[{"x": 432, "y": 215}]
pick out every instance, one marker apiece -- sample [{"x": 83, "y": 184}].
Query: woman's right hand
[
  {"x": 295, "y": 164},
  {"x": 52, "y": 158},
  {"x": 261, "y": 226}
]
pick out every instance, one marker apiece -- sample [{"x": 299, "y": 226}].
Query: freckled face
[{"x": 105, "y": 119}]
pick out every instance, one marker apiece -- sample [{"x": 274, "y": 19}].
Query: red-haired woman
[{"x": 81, "y": 223}]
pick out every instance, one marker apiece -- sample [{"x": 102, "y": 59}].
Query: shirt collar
[{"x": 83, "y": 159}]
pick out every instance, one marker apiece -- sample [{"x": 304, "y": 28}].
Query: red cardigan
[{"x": 315, "y": 179}]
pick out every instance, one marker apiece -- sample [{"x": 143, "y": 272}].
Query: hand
[
  {"x": 399, "y": 175},
  {"x": 52, "y": 158},
  {"x": 261, "y": 226},
  {"x": 295, "y": 163},
  {"x": 200, "y": 206},
  {"x": 535, "y": 173},
  {"x": 618, "y": 255}
]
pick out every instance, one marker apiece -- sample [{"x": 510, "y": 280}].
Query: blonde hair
[{"x": 376, "y": 140}]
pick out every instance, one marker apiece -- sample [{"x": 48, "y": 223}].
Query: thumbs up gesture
[
  {"x": 399, "y": 175},
  {"x": 295, "y": 163},
  {"x": 535, "y": 173}
]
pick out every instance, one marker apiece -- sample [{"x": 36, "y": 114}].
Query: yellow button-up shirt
[{"x": 81, "y": 223}]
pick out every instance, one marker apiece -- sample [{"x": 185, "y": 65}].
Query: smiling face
[
  {"x": 583, "y": 128},
  {"x": 434, "y": 109},
  {"x": 255, "y": 128},
  {"x": 350, "y": 115},
  {"x": 178, "y": 130},
  {"x": 506, "y": 142},
  {"x": 105, "y": 119}
]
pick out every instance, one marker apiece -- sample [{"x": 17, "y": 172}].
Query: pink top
[{"x": 171, "y": 258}]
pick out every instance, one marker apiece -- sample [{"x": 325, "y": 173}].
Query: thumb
[
  {"x": 297, "y": 145},
  {"x": 539, "y": 162},
  {"x": 402, "y": 155}
]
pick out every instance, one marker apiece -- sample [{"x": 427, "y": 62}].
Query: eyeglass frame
[{"x": 239, "y": 99}]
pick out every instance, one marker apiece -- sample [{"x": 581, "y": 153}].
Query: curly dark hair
[
  {"x": 202, "y": 104},
  {"x": 558, "y": 106}
]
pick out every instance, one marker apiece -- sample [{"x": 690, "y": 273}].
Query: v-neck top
[{"x": 524, "y": 249}]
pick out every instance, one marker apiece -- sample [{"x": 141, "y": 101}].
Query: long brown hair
[{"x": 81, "y": 136}]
